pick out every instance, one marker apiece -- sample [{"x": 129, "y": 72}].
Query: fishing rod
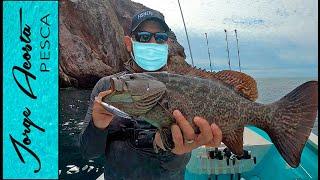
[
  {"x": 185, "y": 29},
  {"x": 238, "y": 49},
  {"x": 208, "y": 52},
  {"x": 227, "y": 49}
]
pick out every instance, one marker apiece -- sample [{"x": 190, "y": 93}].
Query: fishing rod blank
[
  {"x": 227, "y": 49},
  {"x": 185, "y": 29},
  {"x": 208, "y": 52},
  {"x": 238, "y": 49}
]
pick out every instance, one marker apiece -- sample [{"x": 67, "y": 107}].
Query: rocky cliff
[{"x": 91, "y": 40}]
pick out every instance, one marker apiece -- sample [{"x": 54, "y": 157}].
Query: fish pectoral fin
[
  {"x": 234, "y": 141},
  {"x": 166, "y": 137},
  {"x": 240, "y": 82}
]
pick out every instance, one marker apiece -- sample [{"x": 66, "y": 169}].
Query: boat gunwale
[{"x": 313, "y": 142}]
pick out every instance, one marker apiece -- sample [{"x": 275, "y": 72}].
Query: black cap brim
[{"x": 164, "y": 24}]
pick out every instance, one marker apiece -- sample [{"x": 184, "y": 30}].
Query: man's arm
[{"x": 93, "y": 139}]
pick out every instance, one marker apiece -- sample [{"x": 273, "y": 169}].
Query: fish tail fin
[{"x": 292, "y": 121}]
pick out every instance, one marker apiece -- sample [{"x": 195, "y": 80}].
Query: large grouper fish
[{"x": 154, "y": 96}]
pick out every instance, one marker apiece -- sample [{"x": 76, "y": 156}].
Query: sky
[{"x": 277, "y": 38}]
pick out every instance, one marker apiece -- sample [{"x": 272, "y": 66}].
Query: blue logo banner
[{"x": 30, "y": 89}]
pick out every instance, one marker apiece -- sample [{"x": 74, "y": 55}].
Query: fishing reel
[
  {"x": 229, "y": 156},
  {"x": 143, "y": 138},
  {"x": 140, "y": 133},
  {"x": 143, "y": 134},
  {"x": 215, "y": 154},
  {"x": 233, "y": 157}
]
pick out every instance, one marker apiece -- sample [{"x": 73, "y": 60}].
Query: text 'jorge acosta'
[{"x": 24, "y": 142}]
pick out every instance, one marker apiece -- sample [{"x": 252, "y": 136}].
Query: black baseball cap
[{"x": 146, "y": 15}]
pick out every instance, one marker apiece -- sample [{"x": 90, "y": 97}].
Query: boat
[{"x": 263, "y": 162}]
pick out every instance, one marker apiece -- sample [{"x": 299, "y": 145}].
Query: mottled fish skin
[
  {"x": 288, "y": 121},
  {"x": 209, "y": 99}
]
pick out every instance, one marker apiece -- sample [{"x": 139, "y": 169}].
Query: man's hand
[
  {"x": 100, "y": 116},
  {"x": 209, "y": 135}
]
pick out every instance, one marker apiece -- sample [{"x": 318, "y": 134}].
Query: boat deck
[{"x": 269, "y": 163}]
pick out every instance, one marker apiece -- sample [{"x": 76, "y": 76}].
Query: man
[{"x": 133, "y": 149}]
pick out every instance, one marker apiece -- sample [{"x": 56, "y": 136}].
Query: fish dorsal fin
[
  {"x": 240, "y": 82},
  {"x": 234, "y": 141}
]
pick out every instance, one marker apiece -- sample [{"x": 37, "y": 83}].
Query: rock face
[{"x": 91, "y": 40}]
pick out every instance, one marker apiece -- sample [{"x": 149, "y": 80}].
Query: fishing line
[{"x": 305, "y": 171}]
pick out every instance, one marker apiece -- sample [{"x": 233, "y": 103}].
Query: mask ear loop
[
  {"x": 131, "y": 53},
  {"x": 134, "y": 60},
  {"x": 132, "y": 56}
]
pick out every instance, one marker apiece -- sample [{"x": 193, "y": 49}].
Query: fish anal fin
[{"x": 234, "y": 141}]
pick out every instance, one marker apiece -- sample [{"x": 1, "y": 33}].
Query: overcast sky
[{"x": 277, "y": 38}]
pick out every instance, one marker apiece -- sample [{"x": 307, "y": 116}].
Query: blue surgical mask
[{"x": 150, "y": 56}]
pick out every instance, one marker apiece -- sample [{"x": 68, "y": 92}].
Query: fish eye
[{"x": 131, "y": 77}]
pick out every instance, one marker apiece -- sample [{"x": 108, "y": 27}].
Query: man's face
[{"x": 150, "y": 31}]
